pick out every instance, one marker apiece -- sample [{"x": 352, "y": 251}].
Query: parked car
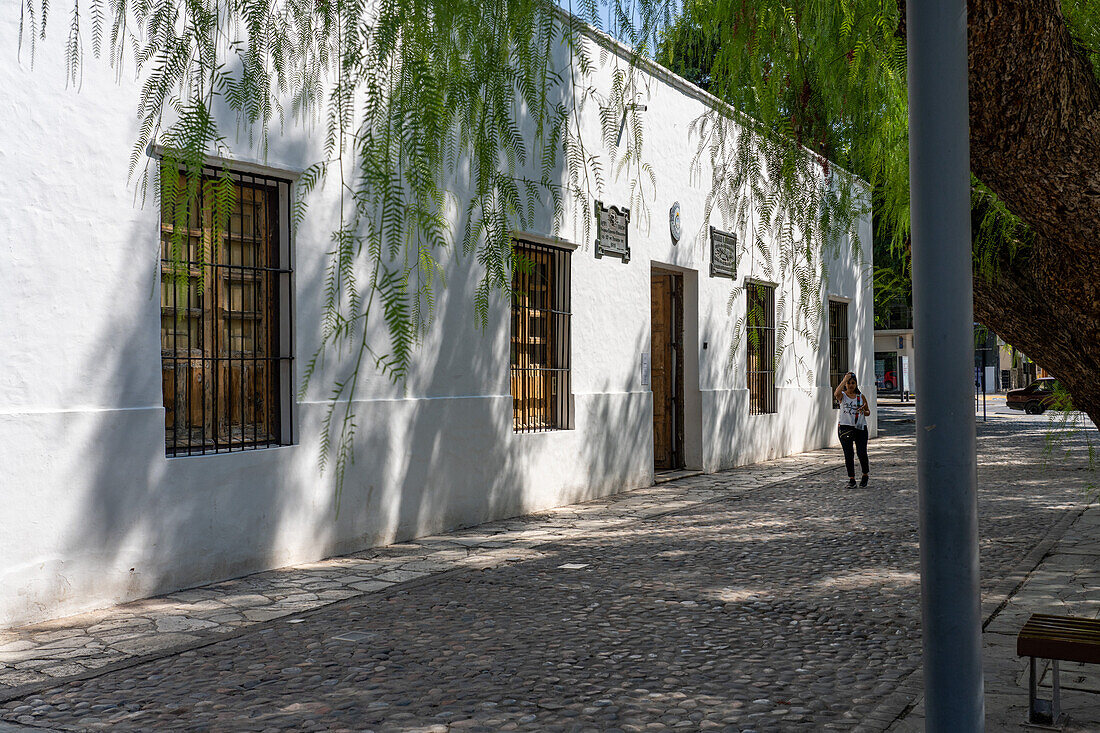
[
  {"x": 1033, "y": 399},
  {"x": 887, "y": 381}
]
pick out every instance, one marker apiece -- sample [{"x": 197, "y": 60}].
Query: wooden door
[{"x": 666, "y": 360}]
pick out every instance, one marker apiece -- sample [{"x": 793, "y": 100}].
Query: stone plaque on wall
[
  {"x": 611, "y": 231},
  {"x": 723, "y": 254}
]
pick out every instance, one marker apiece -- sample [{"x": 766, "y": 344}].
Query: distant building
[
  {"x": 1000, "y": 365},
  {"x": 893, "y": 348}
]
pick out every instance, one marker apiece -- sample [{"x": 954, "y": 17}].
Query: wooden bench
[{"x": 1057, "y": 638}]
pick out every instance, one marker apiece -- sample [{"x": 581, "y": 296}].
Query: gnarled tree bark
[
  {"x": 1019, "y": 306},
  {"x": 1035, "y": 141}
]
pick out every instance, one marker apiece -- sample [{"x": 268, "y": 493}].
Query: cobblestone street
[{"x": 764, "y": 598}]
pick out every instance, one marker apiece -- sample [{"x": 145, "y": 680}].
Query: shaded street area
[{"x": 768, "y": 597}]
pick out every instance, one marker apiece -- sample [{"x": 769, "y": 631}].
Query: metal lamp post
[{"x": 939, "y": 154}]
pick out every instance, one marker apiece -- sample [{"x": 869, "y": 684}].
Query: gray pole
[
  {"x": 984, "y": 385},
  {"x": 939, "y": 176}
]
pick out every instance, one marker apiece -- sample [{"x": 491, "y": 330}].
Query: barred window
[
  {"x": 540, "y": 382},
  {"x": 225, "y": 350},
  {"x": 760, "y": 322},
  {"x": 838, "y": 346}
]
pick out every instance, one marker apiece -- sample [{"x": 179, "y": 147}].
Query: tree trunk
[
  {"x": 1024, "y": 313},
  {"x": 1035, "y": 141}
]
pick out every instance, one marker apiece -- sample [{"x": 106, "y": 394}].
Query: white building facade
[{"x": 614, "y": 366}]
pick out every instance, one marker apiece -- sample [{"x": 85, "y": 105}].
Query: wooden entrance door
[{"x": 667, "y": 360}]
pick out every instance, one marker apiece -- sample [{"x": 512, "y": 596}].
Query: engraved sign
[
  {"x": 674, "y": 226},
  {"x": 611, "y": 231},
  {"x": 723, "y": 254}
]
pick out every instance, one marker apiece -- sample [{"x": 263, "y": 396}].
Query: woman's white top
[{"x": 850, "y": 411}]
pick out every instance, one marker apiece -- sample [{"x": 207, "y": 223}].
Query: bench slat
[{"x": 1066, "y": 638}]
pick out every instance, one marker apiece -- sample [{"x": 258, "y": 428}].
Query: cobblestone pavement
[
  {"x": 39, "y": 656},
  {"x": 764, "y": 598}
]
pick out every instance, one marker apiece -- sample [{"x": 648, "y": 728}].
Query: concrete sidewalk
[{"x": 1065, "y": 582}]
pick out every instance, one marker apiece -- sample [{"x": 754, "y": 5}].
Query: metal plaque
[
  {"x": 674, "y": 226},
  {"x": 723, "y": 254},
  {"x": 611, "y": 231}
]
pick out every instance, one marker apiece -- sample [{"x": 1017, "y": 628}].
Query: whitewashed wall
[{"x": 94, "y": 514}]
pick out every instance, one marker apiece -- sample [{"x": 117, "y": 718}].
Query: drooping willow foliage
[
  {"x": 825, "y": 84},
  {"x": 408, "y": 93},
  {"x": 413, "y": 95},
  {"x": 831, "y": 76}
]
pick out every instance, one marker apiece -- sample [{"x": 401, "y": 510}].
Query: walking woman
[{"x": 852, "y": 430}]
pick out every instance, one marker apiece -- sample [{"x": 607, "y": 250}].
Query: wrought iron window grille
[
  {"x": 540, "y": 338},
  {"x": 838, "y": 347},
  {"x": 225, "y": 328},
  {"x": 760, "y": 326}
]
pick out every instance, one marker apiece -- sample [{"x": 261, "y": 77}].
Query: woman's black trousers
[{"x": 850, "y": 437}]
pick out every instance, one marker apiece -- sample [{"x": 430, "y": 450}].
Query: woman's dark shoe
[
  {"x": 863, "y": 481},
  {"x": 851, "y": 483}
]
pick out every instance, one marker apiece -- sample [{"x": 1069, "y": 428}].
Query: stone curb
[
  {"x": 485, "y": 559},
  {"x": 6, "y": 727},
  {"x": 1008, "y": 587},
  {"x": 732, "y": 496},
  {"x": 213, "y": 638},
  {"x": 907, "y": 695}
]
